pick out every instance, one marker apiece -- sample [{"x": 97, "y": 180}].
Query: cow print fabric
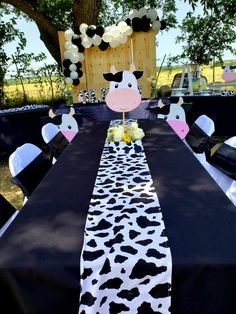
[{"x": 126, "y": 260}]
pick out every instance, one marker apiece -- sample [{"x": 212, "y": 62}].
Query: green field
[{"x": 42, "y": 92}]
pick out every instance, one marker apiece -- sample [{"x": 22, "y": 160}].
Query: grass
[{"x": 10, "y": 191}]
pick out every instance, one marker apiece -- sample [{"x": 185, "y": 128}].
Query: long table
[{"x": 40, "y": 251}]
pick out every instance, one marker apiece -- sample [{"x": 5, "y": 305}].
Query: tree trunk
[{"x": 86, "y": 11}]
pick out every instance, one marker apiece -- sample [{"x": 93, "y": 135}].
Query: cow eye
[
  {"x": 117, "y": 85},
  {"x": 130, "y": 85},
  {"x": 165, "y": 117},
  {"x": 69, "y": 127},
  {"x": 58, "y": 126},
  {"x": 177, "y": 117}
]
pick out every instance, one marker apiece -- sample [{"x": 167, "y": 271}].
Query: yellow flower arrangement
[{"x": 125, "y": 133}]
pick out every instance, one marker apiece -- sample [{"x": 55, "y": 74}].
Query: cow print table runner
[{"x": 126, "y": 260}]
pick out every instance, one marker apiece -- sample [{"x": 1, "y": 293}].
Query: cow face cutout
[
  {"x": 175, "y": 116},
  {"x": 65, "y": 123},
  {"x": 123, "y": 95},
  {"x": 229, "y": 75}
]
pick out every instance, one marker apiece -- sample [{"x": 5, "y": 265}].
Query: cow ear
[
  {"x": 138, "y": 74},
  {"x": 186, "y": 106},
  {"x": 108, "y": 76}
]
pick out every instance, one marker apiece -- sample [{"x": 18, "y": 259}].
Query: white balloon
[
  {"x": 129, "y": 31},
  {"x": 68, "y": 34},
  {"x": 74, "y": 58},
  {"x": 96, "y": 40},
  {"x": 68, "y": 80},
  {"x": 74, "y": 48},
  {"x": 142, "y": 12},
  {"x": 72, "y": 67},
  {"x": 152, "y": 15},
  {"x": 67, "y": 45},
  {"x": 114, "y": 42},
  {"x": 156, "y": 25},
  {"x": 74, "y": 75},
  {"x": 133, "y": 13},
  {"x": 123, "y": 39},
  {"x": 67, "y": 54},
  {"x": 106, "y": 37},
  {"x": 87, "y": 42},
  {"x": 114, "y": 32},
  {"x": 83, "y": 28},
  {"x": 122, "y": 26}
]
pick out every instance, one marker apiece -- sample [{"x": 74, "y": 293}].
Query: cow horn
[
  {"x": 181, "y": 101},
  {"x": 51, "y": 113},
  {"x": 113, "y": 69},
  {"x": 72, "y": 111},
  {"x": 132, "y": 67},
  {"x": 160, "y": 104}
]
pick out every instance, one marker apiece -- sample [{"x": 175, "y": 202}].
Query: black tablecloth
[{"x": 40, "y": 252}]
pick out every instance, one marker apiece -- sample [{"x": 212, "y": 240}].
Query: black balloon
[
  {"x": 77, "y": 30},
  {"x": 100, "y": 30},
  {"x": 78, "y": 65},
  {"x": 76, "y": 82},
  {"x": 81, "y": 48},
  {"x": 76, "y": 40},
  {"x": 103, "y": 46},
  {"x": 163, "y": 25},
  {"x": 128, "y": 21},
  {"x": 137, "y": 24},
  {"x": 66, "y": 63},
  {"x": 80, "y": 73},
  {"x": 91, "y": 31},
  {"x": 145, "y": 24},
  {"x": 66, "y": 72}
]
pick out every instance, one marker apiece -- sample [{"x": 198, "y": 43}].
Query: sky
[{"x": 166, "y": 40}]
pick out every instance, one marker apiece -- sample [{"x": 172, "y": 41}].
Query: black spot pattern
[
  {"x": 129, "y": 249},
  {"x": 141, "y": 200},
  {"x": 118, "y": 239},
  {"x": 155, "y": 253},
  {"x": 129, "y": 294},
  {"x": 116, "y": 229},
  {"x": 120, "y": 259},
  {"x": 114, "y": 283},
  {"x": 88, "y": 299},
  {"x": 160, "y": 291},
  {"x": 103, "y": 224},
  {"x": 145, "y": 308},
  {"x": 116, "y": 308},
  {"x": 106, "y": 267},
  {"x": 87, "y": 272},
  {"x": 142, "y": 269},
  {"x": 143, "y": 222},
  {"x": 92, "y": 243},
  {"x": 144, "y": 242},
  {"x": 91, "y": 256},
  {"x": 133, "y": 234}
]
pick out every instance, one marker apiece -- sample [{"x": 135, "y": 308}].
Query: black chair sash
[
  {"x": 57, "y": 144},
  {"x": 31, "y": 175},
  {"x": 197, "y": 139},
  {"x": 6, "y": 210},
  {"x": 224, "y": 159}
]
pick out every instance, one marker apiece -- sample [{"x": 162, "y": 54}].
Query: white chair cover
[
  {"x": 206, "y": 124},
  {"x": 22, "y": 157},
  {"x": 49, "y": 131}
]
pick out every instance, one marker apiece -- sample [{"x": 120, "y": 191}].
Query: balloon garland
[{"x": 86, "y": 36}]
